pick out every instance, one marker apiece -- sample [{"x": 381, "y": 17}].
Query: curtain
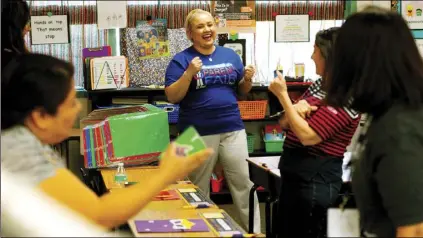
[
  {"x": 318, "y": 10},
  {"x": 83, "y": 31},
  {"x": 173, "y": 11},
  {"x": 350, "y": 8}
]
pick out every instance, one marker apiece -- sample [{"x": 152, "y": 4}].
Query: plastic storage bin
[
  {"x": 250, "y": 142},
  {"x": 217, "y": 184},
  {"x": 171, "y": 109},
  {"x": 274, "y": 145},
  {"x": 252, "y": 110}
]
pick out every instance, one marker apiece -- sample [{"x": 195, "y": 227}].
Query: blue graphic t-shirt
[{"x": 210, "y": 104}]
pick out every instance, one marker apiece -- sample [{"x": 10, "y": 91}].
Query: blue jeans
[{"x": 307, "y": 191}]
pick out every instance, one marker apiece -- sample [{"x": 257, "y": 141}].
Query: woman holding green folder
[{"x": 43, "y": 112}]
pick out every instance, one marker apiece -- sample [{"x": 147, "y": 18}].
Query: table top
[
  {"x": 134, "y": 174},
  {"x": 270, "y": 162},
  {"x": 160, "y": 210}
]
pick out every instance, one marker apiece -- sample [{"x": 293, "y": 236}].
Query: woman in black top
[
  {"x": 15, "y": 24},
  {"x": 377, "y": 69}
]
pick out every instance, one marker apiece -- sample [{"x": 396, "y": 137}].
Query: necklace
[{"x": 211, "y": 55}]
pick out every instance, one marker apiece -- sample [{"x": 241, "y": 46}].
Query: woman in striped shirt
[{"x": 317, "y": 137}]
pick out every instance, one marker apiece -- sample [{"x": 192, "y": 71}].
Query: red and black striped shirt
[{"x": 336, "y": 126}]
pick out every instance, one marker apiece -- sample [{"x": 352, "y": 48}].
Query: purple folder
[
  {"x": 96, "y": 52},
  {"x": 171, "y": 225}
]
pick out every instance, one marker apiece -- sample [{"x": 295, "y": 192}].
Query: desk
[
  {"x": 264, "y": 172},
  {"x": 134, "y": 174},
  {"x": 156, "y": 210}
]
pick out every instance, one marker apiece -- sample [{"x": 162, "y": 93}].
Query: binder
[{"x": 92, "y": 53}]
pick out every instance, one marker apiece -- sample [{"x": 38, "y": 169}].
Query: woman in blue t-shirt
[{"x": 204, "y": 79}]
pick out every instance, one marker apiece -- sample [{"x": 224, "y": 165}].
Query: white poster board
[
  {"x": 292, "y": 28},
  {"x": 412, "y": 11},
  {"x": 111, "y": 14},
  {"x": 419, "y": 43},
  {"x": 49, "y": 29}
]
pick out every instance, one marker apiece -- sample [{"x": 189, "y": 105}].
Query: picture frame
[
  {"x": 237, "y": 45},
  {"x": 292, "y": 28}
]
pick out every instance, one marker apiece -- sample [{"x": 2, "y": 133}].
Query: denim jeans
[
  {"x": 303, "y": 206},
  {"x": 306, "y": 196}
]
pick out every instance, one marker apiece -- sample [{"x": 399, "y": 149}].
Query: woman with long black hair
[{"x": 15, "y": 24}]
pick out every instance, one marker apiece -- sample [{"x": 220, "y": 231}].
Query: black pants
[{"x": 305, "y": 196}]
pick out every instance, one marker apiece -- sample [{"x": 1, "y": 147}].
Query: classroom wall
[{"x": 362, "y": 4}]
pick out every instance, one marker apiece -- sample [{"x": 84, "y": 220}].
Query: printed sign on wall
[
  {"x": 49, "y": 29},
  {"x": 236, "y": 15},
  {"x": 412, "y": 11}
]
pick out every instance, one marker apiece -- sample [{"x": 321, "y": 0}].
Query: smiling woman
[
  {"x": 205, "y": 79},
  {"x": 43, "y": 112}
]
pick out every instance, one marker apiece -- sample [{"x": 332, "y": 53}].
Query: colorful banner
[
  {"x": 234, "y": 15},
  {"x": 152, "y": 39}
]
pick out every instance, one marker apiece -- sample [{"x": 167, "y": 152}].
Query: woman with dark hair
[
  {"x": 15, "y": 24},
  {"x": 377, "y": 70},
  {"x": 317, "y": 137},
  {"x": 39, "y": 108}
]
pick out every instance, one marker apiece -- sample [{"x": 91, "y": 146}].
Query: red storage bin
[{"x": 217, "y": 185}]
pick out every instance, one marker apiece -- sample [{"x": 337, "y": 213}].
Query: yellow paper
[
  {"x": 187, "y": 190},
  {"x": 213, "y": 215}
]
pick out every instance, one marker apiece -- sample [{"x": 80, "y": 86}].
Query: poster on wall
[
  {"x": 412, "y": 13},
  {"x": 53, "y": 29},
  {"x": 292, "y": 28},
  {"x": 238, "y": 15},
  {"x": 236, "y": 45},
  {"x": 152, "y": 39},
  {"x": 111, "y": 14}
]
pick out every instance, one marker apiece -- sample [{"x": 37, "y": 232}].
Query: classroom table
[
  {"x": 156, "y": 210},
  {"x": 264, "y": 172}
]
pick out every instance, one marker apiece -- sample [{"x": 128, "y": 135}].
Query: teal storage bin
[
  {"x": 250, "y": 141},
  {"x": 274, "y": 145}
]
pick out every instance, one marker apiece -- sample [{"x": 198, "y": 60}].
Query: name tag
[{"x": 343, "y": 223}]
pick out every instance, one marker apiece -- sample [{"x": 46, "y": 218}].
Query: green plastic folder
[{"x": 189, "y": 142}]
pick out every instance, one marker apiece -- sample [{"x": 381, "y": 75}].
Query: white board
[
  {"x": 49, "y": 29},
  {"x": 292, "y": 28},
  {"x": 111, "y": 14}
]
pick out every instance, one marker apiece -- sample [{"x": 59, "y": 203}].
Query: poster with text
[
  {"x": 152, "y": 39},
  {"x": 49, "y": 29},
  {"x": 238, "y": 15},
  {"x": 412, "y": 13},
  {"x": 292, "y": 28}
]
